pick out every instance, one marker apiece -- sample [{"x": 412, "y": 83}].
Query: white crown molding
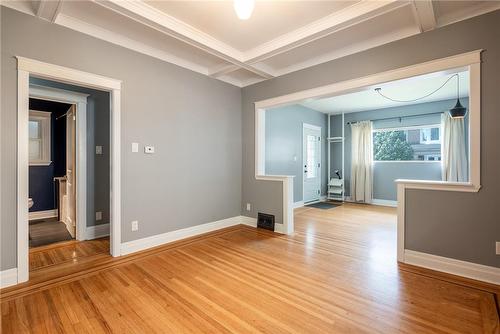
[
  {"x": 486, "y": 7},
  {"x": 121, "y": 40}
]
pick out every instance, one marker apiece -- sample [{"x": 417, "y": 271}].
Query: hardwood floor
[
  {"x": 63, "y": 252},
  {"x": 337, "y": 274}
]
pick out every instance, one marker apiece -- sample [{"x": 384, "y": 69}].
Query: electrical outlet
[
  {"x": 98, "y": 149},
  {"x": 98, "y": 215},
  {"x": 135, "y": 147},
  {"x": 149, "y": 149},
  {"x": 249, "y": 207},
  {"x": 135, "y": 225},
  {"x": 498, "y": 247}
]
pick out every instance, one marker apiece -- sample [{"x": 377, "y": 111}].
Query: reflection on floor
[
  {"x": 69, "y": 252},
  {"x": 337, "y": 274},
  {"x": 47, "y": 231}
]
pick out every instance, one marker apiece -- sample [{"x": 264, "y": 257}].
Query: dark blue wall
[{"x": 41, "y": 178}]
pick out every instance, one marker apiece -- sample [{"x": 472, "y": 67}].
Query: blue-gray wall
[
  {"x": 284, "y": 143},
  {"x": 98, "y": 168},
  {"x": 385, "y": 173}
]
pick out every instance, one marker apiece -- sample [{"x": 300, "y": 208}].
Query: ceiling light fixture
[
  {"x": 243, "y": 8},
  {"x": 458, "y": 111}
]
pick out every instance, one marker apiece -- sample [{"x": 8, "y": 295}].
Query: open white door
[
  {"x": 70, "y": 202},
  {"x": 311, "y": 149}
]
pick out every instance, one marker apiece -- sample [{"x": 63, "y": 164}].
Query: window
[
  {"x": 407, "y": 144},
  {"x": 39, "y": 138}
]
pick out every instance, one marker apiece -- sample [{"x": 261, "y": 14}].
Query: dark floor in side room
[{"x": 47, "y": 231}]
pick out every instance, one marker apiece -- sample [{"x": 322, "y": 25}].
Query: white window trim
[
  {"x": 470, "y": 60},
  {"x": 45, "y": 136}
]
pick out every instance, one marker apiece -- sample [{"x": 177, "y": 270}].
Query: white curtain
[
  {"x": 361, "y": 162},
  {"x": 453, "y": 151}
]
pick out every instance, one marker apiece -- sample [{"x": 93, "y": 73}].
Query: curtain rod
[{"x": 396, "y": 117}]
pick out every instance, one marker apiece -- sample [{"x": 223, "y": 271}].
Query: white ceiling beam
[
  {"x": 342, "y": 19},
  {"x": 156, "y": 19},
  {"x": 424, "y": 14},
  {"x": 48, "y": 10}
]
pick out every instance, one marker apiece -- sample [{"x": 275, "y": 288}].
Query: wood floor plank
[{"x": 337, "y": 274}]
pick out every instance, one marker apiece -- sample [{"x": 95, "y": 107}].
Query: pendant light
[
  {"x": 458, "y": 111},
  {"x": 243, "y": 8}
]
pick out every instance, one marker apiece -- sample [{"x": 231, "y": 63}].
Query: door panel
[
  {"x": 70, "y": 216},
  {"x": 311, "y": 163}
]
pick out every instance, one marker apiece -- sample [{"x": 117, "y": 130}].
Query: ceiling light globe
[{"x": 244, "y": 8}]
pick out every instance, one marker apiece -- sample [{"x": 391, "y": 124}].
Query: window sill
[
  {"x": 40, "y": 163},
  {"x": 438, "y": 185}
]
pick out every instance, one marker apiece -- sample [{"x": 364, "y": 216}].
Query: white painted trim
[
  {"x": 165, "y": 238},
  {"x": 423, "y": 10},
  {"x": 8, "y": 277},
  {"x": 45, "y": 214},
  {"x": 452, "y": 266},
  {"x": 315, "y": 128},
  {"x": 80, "y": 101},
  {"x": 298, "y": 204},
  {"x": 470, "y": 59},
  {"x": 343, "y": 87},
  {"x": 97, "y": 231},
  {"x": 27, "y": 67},
  {"x": 384, "y": 202}
]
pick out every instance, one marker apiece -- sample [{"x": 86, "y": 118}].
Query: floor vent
[{"x": 265, "y": 221}]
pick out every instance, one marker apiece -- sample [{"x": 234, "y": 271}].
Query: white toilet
[{"x": 30, "y": 203}]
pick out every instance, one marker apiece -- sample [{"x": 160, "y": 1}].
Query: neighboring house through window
[{"x": 39, "y": 138}]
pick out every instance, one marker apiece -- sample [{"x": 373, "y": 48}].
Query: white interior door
[
  {"x": 70, "y": 214},
  {"x": 311, "y": 162}
]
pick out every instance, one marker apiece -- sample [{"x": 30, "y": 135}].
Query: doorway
[{"x": 311, "y": 158}]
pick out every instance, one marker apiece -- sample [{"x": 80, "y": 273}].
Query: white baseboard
[
  {"x": 451, "y": 266},
  {"x": 97, "y": 231},
  {"x": 385, "y": 202},
  {"x": 165, "y": 238},
  {"x": 298, "y": 204},
  {"x": 8, "y": 277},
  {"x": 42, "y": 214}
]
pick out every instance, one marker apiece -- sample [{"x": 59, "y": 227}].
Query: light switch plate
[
  {"x": 249, "y": 207},
  {"x": 98, "y": 149},
  {"x": 98, "y": 215},
  {"x": 498, "y": 247},
  {"x": 135, "y": 147},
  {"x": 149, "y": 149},
  {"x": 135, "y": 225}
]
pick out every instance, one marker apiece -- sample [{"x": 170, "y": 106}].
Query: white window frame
[
  {"x": 407, "y": 128},
  {"x": 431, "y": 141},
  {"x": 44, "y": 119}
]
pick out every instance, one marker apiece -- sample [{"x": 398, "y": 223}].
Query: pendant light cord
[{"x": 378, "y": 90}]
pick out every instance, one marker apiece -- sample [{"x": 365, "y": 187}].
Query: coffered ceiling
[{"x": 280, "y": 37}]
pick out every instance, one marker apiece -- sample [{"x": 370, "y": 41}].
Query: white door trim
[
  {"x": 469, "y": 60},
  {"x": 80, "y": 101},
  {"x": 29, "y": 67},
  {"x": 317, "y": 128}
]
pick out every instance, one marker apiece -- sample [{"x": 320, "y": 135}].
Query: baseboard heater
[{"x": 265, "y": 221}]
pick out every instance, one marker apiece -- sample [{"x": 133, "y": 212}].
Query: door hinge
[
  {"x": 319, "y": 165},
  {"x": 318, "y": 191}
]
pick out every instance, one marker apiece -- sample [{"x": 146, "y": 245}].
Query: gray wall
[
  {"x": 463, "y": 226},
  {"x": 384, "y": 173},
  {"x": 193, "y": 121},
  {"x": 284, "y": 142},
  {"x": 98, "y": 130}
]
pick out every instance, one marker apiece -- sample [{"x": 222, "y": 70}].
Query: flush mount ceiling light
[
  {"x": 458, "y": 111},
  {"x": 243, "y": 8}
]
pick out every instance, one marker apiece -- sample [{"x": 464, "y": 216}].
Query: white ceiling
[
  {"x": 406, "y": 89},
  {"x": 280, "y": 37}
]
